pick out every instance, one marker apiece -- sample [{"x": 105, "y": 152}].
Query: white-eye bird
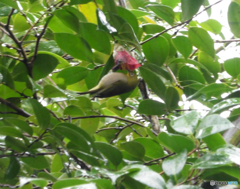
[{"x": 116, "y": 83}]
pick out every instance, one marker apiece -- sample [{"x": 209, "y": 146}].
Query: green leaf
[
  {"x": 90, "y": 125},
  {"x": 50, "y": 91},
  {"x": 77, "y": 73},
  {"x": 103, "y": 23},
  {"x": 224, "y": 104},
  {"x": 73, "y": 135},
  {"x": 73, "y": 111},
  {"x": 36, "y": 181},
  {"x": 76, "y": 2},
  {"x": 164, "y": 12},
  {"x": 73, "y": 183},
  {"x": 214, "y": 89},
  {"x": 6, "y": 92},
  {"x": 43, "y": 65},
  {"x": 212, "y": 25},
  {"x": 232, "y": 66},
  {"x": 7, "y": 78},
  {"x": 148, "y": 177},
  {"x": 68, "y": 19},
  {"x": 152, "y": 28},
  {"x": 176, "y": 143},
  {"x": 15, "y": 144},
  {"x": 183, "y": 45},
  {"x": 76, "y": 46},
  {"x": 110, "y": 152},
  {"x": 186, "y": 187},
  {"x": 129, "y": 17},
  {"x": 139, "y": 3},
  {"x": 212, "y": 124},
  {"x": 186, "y": 123},
  {"x": 88, "y": 158},
  {"x": 211, "y": 64},
  {"x": 158, "y": 70},
  {"x": 171, "y": 98},
  {"x": 214, "y": 141},
  {"x": 37, "y": 162},
  {"x": 20, "y": 23},
  {"x": 10, "y": 131},
  {"x": 12, "y": 4},
  {"x": 157, "y": 108},
  {"x": 154, "y": 81},
  {"x": 174, "y": 164},
  {"x": 97, "y": 39},
  {"x": 57, "y": 163},
  {"x": 135, "y": 149},
  {"x": 202, "y": 40},
  {"x": 13, "y": 169},
  {"x": 172, "y": 3},
  {"x": 234, "y": 18},
  {"x": 189, "y": 8},
  {"x": 156, "y": 50},
  {"x": 42, "y": 114},
  {"x": 109, "y": 6},
  {"x": 152, "y": 148},
  {"x": 23, "y": 125}
]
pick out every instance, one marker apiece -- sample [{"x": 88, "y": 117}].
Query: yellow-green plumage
[{"x": 114, "y": 84}]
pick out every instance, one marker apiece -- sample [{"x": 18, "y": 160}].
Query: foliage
[{"x": 54, "y": 138}]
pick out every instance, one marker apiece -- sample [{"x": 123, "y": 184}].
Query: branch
[
  {"x": 227, "y": 41},
  {"x": 39, "y": 138},
  {"x": 82, "y": 164},
  {"x": 158, "y": 159},
  {"x": 174, "y": 78},
  {"x": 114, "y": 117},
  {"x": 18, "y": 110},
  {"x": 38, "y": 41},
  {"x": 7, "y": 55}
]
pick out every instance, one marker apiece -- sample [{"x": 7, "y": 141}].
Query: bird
[{"x": 117, "y": 83}]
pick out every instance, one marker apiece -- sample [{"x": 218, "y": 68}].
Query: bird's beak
[{"x": 117, "y": 66}]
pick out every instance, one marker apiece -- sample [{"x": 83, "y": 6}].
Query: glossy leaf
[
  {"x": 77, "y": 47},
  {"x": 38, "y": 162},
  {"x": 189, "y": 8},
  {"x": 171, "y": 98},
  {"x": 21, "y": 125},
  {"x": 176, "y": 143},
  {"x": 174, "y": 164},
  {"x": 186, "y": 123},
  {"x": 148, "y": 177},
  {"x": 6, "y": 92},
  {"x": 42, "y": 114},
  {"x": 36, "y": 181},
  {"x": 157, "y": 108},
  {"x": 7, "y": 78},
  {"x": 212, "y": 25},
  {"x": 103, "y": 23},
  {"x": 214, "y": 141},
  {"x": 212, "y": 124},
  {"x": 52, "y": 91},
  {"x": 164, "y": 12},
  {"x": 88, "y": 158},
  {"x": 97, "y": 39},
  {"x": 233, "y": 18},
  {"x": 183, "y": 45},
  {"x": 136, "y": 4},
  {"x": 110, "y": 152},
  {"x": 232, "y": 66},
  {"x": 57, "y": 163},
  {"x": 77, "y": 74},
  {"x": 172, "y": 3},
  {"x": 43, "y": 65},
  {"x": 13, "y": 169},
  {"x": 135, "y": 149},
  {"x": 224, "y": 104},
  {"x": 73, "y": 111},
  {"x": 152, "y": 28},
  {"x": 15, "y": 144},
  {"x": 154, "y": 81},
  {"x": 202, "y": 40},
  {"x": 20, "y": 23},
  {"x": 76, "y": 2},
  {"x": 156, "y": 50},
  {"x": 152, "y": 148},
  {"x": 68, "y": 19}
]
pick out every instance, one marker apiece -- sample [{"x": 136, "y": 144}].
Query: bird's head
[{"x": 124, "y": 61}]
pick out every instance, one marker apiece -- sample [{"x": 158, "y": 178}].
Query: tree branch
[{"x": 18, "y": 110}]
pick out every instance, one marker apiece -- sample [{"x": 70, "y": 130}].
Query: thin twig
[
  {"x": 15, "y": 58},
  {"x": 227, "y": 41},
  {"x": 174, "y": 78},
  {"x": 158, "y": 159},
  {"x": 39, "y": 138},
  {"x": 114, "y": 117}
]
